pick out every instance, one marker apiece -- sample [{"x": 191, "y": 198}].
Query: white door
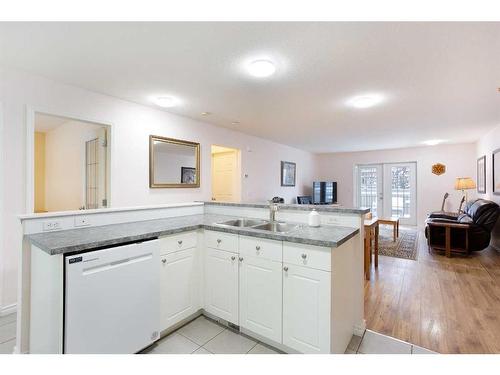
[
  {"x": 261, "y": 297},
  {"x": 400, "y": 192},
  {"x": 306, "y": 309},
  {"x": 389, "y": 190},
  {"x": 179, "y": 286},
  {"x": 225, "y": 177},
  {"x": 221, "y": 284},
  {"x": 370, "y": 188}
]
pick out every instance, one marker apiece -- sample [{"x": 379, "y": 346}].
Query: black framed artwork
[
  {"x": 188, "y": 175},
  {"x": 481, "y": 175},
  {"x": 288, "y": 173},
  {"x": 495, "y": 168}
]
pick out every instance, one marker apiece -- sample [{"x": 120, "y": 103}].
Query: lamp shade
[{"x": 464, "y": 183}]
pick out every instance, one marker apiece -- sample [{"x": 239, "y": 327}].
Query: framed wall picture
[
  {"x": 481, "y": 175},
  {"x": 495, "y": 167},
  {"x": 188, "y": 175},
  {"x": 288, "y": 173}
]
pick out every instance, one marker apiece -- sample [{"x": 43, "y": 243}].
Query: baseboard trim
[{"x": 7, "y": 310}]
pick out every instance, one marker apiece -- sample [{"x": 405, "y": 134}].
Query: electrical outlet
[
  {"x": 82, "y": 221},
  {"x": 51, "y": 225},
  {"x": 332, "y": 220}
]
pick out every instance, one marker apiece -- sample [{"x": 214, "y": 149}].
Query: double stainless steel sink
[{"x": 275, "y": 226}]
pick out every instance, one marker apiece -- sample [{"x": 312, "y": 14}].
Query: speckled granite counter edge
[
  {"x": 243, "y": 231},
  {"x": 295, "y": 207}
]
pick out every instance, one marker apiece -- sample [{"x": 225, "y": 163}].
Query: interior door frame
[
  {"x": 30, "y": 150},
  {"x": 384, "y": 166}
]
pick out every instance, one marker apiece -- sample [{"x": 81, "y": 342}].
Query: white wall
[
  {"x": 485, "y": 146},
  {"x": 131, "y": 125},
  {"x": 65, "y": 165},
  {"x": 460, "y": 160}
]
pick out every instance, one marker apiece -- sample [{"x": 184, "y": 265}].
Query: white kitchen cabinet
[
  {"x": 306, "y": 309},
  {"x": 180, "y": 282},
  {"x": 221, "y": 284},
  {"x": 261, "y": 296}
]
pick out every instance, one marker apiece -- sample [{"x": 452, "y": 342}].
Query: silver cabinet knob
[
  {"x": 285, "y": 269},
  {"x": 179, "y": 242},
  {"x": 304, "y": 256},
  {"x": 241, "y": 259},
  {"x": 164, "y": 261},
  {"x": 219, "y": 240},
  {"x": 257, "y": 248},
  {"x": 233, "y": 257}
]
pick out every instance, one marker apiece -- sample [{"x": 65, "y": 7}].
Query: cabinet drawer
[
  {"x": 308, "y": 256},
  {"x": 261, "y": 248},
  {"x": 221, "y": 241},
  {"x": 179, "y": 241}
]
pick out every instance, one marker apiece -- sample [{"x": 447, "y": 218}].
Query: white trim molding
[{"x": 7, "y": 310}]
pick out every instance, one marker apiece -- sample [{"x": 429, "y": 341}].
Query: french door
[{"x": 389, "y": 190}]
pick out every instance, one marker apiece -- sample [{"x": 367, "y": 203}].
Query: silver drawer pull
[
  {"x": 304, "y": 256},
  {"x": 179, "y": 242},
  {"x": 219, "y": 240},
  {"x": 257, "y": 248},
  {"x": 164, "y": 261},
  {"x": 285, "y": 269},
  {"x": 241, "y": 259},
  {"x": 233, "y": 257}
]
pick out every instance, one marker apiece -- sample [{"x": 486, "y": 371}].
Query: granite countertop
[
  {"x": 75, "y": 240},
  {"x": 296, "y": 207}
]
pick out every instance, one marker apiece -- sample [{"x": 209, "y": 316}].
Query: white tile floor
[
  {"x": 204, "y": 336},
  {"x": 7, "y": 333},
  {"x": 376, "y": 343}
]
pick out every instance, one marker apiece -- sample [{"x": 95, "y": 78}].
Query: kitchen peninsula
[{"x": 294, "y": 287}]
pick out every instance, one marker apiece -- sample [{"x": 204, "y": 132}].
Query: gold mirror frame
[{"x": 152, "y": 184}]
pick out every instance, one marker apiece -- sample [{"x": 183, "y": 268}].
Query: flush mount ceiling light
[
  {"x": 261, "y": 68},
  {"x": 235, "y": 122},
  {"x": 432, "y": 142},
  {"x": 365, "y": 101},
  {"x": 206, "y": 113},
  {"x": 165, "y": 101}
]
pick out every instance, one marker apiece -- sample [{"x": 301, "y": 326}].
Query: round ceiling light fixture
[
  {"x": 261, "y": 68},
  {"x": 365, "y": 101},
  {"x": 165, "y": 101}
]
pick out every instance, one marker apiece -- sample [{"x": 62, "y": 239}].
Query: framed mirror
[{"x": 173, "y": 163}]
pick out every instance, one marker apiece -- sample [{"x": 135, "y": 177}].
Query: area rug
[{"x": 405, "y": 246}]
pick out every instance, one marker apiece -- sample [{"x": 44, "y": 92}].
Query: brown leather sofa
[{"x": 470, "y": 231}]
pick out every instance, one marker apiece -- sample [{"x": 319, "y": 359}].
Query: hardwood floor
[{"x": 448, "y": 305}]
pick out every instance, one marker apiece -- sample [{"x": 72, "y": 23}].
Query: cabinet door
[
  {"x": 261, "y": 297},
  {"x": 221, "y": 284},
  {"x": 306, "y": 309},
  {"x": 179, "y": 286}
]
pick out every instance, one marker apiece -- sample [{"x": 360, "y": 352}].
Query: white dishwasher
[{"x": 112, "y": 300}]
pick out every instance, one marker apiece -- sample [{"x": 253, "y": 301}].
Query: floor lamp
[{"x": 464, "y": 184}]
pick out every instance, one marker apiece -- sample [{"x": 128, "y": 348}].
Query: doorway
[
  {"x": 70, "y": 164},
  {"x": 388, "y": 189},
  {"x": 226, "y": 174}
]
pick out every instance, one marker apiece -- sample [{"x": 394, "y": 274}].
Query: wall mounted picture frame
[
  {"x": 495, "y": 168},
  {"x": 481, "y": 175},
  {"x": 288, "y": 173}
]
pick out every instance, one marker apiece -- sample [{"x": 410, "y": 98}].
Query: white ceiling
[{"x": 440, "y": 79}]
